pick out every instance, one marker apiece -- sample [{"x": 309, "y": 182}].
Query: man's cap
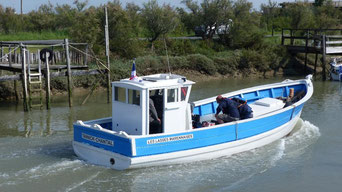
[{"x": 219, "y": 98}]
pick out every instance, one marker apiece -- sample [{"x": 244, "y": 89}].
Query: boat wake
[
  {"x": 39, "y": 163},
  {"x": 228, "y": 173}
]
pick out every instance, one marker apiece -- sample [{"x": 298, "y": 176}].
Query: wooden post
[
  {"x": 86, "y": 55},
  {"x": 9, "y": 55},
  {"x": 107, "y": 54},
  {"x": 52, "y": 60},
  {"x": 272, "y": 30},
  {"x": 282, "y": 36},
  {"x": 15, "y": 56},
  {"x": 29, "y": 78},
  {"x": 15, "y": 82},
  {"x": 47, "y": 82},
  {"x": 291, "y": 34},
  {"x": 28, "y": 57},
  {"x": 306, "y": 51},
  {"x": 1, "y": 53},
  {"x": 66, "y": 42},
  {"x": 323, "y": 58},
  {"x": 316, "y": 58},
  {"x": 24, "y": 77}
]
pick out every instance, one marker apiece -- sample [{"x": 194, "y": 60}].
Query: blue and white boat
[
  {"x": 336, "y": 69},
  {"x": 124, "y": 141}
]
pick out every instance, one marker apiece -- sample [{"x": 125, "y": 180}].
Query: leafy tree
[
  {"x": 327, "y": 16},
  {"x": 187, "y": 20},
  {"x": 87, "y": 27},
  {"x": 9, "y": 20},
  {"x": 301, "y": 15},
  {"x": 80, "y": 5},
  {"x": 43, "y": 19},
  {"x": 319, "y": 3},
  {"x": 134, "y": 15},
  {"x": 269, "y": 11},
  {"x": 65, "y": 17},
  {"x": 159, "y": 20},
  {"x": 211, "y": 14},
  {"x": 245, "y": 31},
  {"x": 122, "y": 36}
]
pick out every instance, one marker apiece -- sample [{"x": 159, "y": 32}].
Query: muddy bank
[{"x": 84, "y": 84}]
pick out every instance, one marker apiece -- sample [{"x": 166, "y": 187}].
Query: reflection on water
[{"x": 36, "y": 152}]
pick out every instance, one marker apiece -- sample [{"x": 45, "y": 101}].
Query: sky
[{"x": 29, "y": 5}]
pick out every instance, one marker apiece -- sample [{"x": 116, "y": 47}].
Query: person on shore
[{"x": 229, "y": 110}]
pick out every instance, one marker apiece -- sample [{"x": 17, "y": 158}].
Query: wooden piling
[
  {"x": 24, "y": 77},
  {"x": 107, "y": 54},
  {"x": 47, "y": 83},
  {"x": 1, "y": 53},
  {"x": 16, "y": 93},
  {"x": 66, "y": 42},
  {"x": 9, "y": 56},
  {"x": 324, "y": 57},
  {"x": 86, "y": 55},
  {"x": 306, "y": 51},
  {"x": 316, "y": 58}
]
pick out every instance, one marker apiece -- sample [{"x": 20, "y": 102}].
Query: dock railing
[{"x": 316, "y": 41}]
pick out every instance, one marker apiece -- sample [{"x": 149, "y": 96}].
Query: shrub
[
  {"x": 202, "y": 64},
  {"x": 226, "y": 65}
]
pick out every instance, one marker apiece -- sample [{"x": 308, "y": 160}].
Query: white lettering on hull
[
  {"x": 97, "y": 140},
  {"x": 170, "y": 139}
]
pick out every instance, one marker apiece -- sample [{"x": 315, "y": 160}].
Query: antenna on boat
[{"x": 167, "y": 57}]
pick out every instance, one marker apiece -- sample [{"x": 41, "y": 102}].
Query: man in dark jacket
[
  {"x": 244, "y": 109},
  {"x": 155, "y": 123},
  {"x": 229, "y": 110}
]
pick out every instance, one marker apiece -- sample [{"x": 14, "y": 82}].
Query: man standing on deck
[
  {"x": 229, "y": 110},
  {"x": 155, "y": 123}
]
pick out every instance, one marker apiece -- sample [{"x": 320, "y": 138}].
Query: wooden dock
[
  {"x": 30, "y": 68},
  {"x": 34, "y": 67},
  {"x": 314, "y": 41}
]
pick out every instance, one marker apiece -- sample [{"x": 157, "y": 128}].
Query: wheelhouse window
[
  {"x": 184, "y": 92},
  {"x": 134, "y": 97},
  {"x": 172, "y": 95},
  {"x": 120, "y": 94}
]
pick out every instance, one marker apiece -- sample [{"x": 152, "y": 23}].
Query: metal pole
[
  {"x": 24, "y": 77},
  {"x": 107, "y": 54},
  {"x": 66, "y": 42},
  {"x": 21, "y": 7}
]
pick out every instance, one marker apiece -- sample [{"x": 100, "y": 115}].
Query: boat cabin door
[
  {"x": 175, "y": 102},
  {"x": 171, "y": 106}
]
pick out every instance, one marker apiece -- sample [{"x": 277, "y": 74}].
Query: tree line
[{"x": 242, "y": 27}]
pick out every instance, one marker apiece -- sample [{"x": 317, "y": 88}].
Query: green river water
[{"x": 36, "y": 152}]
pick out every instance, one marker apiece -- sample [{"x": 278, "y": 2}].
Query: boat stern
[{"x": 102, "y": 146}]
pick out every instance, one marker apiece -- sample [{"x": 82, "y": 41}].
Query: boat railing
[{"x": 100, "y": 128}]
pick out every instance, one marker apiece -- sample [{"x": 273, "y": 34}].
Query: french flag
[
  {"x": 134, "y": 72},
  {"x": 134, "y": 76}
]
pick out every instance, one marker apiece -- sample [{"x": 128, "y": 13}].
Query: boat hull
[{"x": 103, "y": 157}]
